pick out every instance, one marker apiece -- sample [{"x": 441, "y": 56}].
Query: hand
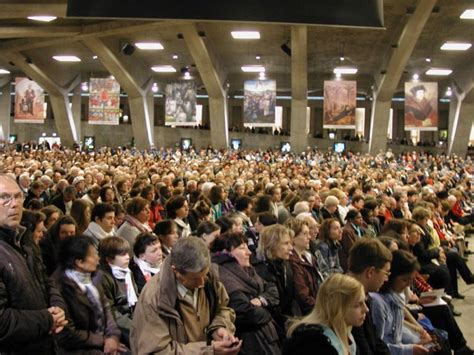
[
  {"x": 420, "y": 350},
  {"x": 256, "y": 302},
  {"x": 222, "y": 334},
  {"x": 425, "y": 338},
  {"x": 59, "y": 319},
  {"x": 111, "y": 346},
  {"x": 426, "y": 300},
  {"x": 225, "y": 347}
]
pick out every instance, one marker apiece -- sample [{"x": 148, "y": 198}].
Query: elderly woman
[
  {"x": 330, "y": 208},
  {"x": 177, "y": 209},
  {"x": 136, "y": 219},
  {"x": 91, "y": 327},
  {"x": 272, "y": 264},
  {"x": 249, "y": 295}
]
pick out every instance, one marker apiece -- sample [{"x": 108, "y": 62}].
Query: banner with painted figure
[
  {"x": 180, "y": 104},
  {"x": 259, "y": 103},
  {"x": 29, "y": 101},
  {"x": 421, "y": 106},
  {"x": 104, "y": 101},
  {"x": 340, "y": 104}
]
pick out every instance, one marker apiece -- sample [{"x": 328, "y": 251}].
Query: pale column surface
[
  {"x": 459, "y": 139},
  {"x": 77, "y": 110},
  {"x": 5, "y": 107},
  {"x": 136, "y": 80},
  {"x": 299, "y": 88},
  {"x": 212, "y": 75},
  {"x": 387, "y": 83}
]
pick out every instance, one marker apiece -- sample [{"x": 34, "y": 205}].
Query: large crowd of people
[{"x": 120, "y": 251}]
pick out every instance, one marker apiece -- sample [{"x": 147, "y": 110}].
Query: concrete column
[
  {"x": 299, "y": 88},
  {"x": 219, "y": 117},
  {"x": 5, "y": 109},
  {"x": 64, "y": 119},
  {"x": 458, "y": 138},
  {"x": 378, "y": 125},
  {"x": 77, "y": 110}
]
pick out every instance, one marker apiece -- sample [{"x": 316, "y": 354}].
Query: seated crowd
[{"x": 224, "y": 252}]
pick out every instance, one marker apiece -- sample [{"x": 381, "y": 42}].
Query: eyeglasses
[
  {"x": 387, "y": 273},
  {"x": 6, "y": 199}
]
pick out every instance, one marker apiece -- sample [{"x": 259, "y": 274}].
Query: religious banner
[
  {"x": 104, "y": 101},
  {"x": 259, "y": 103},
  {"x": 421, "y": 106},
  {"x": 180, "y": 104},
  {"x": 340, "y": 104},
  {"x": 29, "y": 102}
]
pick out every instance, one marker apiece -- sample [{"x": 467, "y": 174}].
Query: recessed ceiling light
[
  {"x": 449, "y": 92},
  {"x": 94, "y": 57},
  {"x": 42, "y": 18},
  {"x": 258, "y": 57},
  {"x": 187, "y": 76},
  {"x": 416, "y": 77},
  {"x": 345, "y": 70},
  {"x": 468, "y": 14},
  {"x": 438, "y": 71},
  {"x": 428, "y": 59},
  {"x": 253, "y": 69},
  {"x": 261, "y": 75},
  {"x": 66, "y": 58},
  {"x": 84, "y": 86},
  {"x": 456, "y": 46},
  {"x": 245, "y": 34},
  {"x": 4, "y": 71},
  {"x": 163, "y": 69},
  {"x": 338, "y": 75},
  {"x": 154, "y": 88},
  {"x": 342, "y": 58},
  {"x": 150, "y": 46},
  {"x": 175, "y": 56}
]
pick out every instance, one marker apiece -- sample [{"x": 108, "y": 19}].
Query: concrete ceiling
[{"x": 367, "y": 49}]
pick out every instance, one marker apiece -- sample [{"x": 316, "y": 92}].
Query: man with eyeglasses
[
  {"x": 31, "y": 310},
  {"x": 369, "y": 263}
]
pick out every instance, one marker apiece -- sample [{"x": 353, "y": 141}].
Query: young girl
[
  {"x": 340, "y": 305},
  {"x": 147, "y": 259}
]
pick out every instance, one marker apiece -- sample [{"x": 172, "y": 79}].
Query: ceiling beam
[
  {"x": 35, "y": 31},
  {"x": 14, "y": 10}
]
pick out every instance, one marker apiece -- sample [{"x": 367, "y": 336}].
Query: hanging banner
[
  {"x": 29, "y": 102},
  {"x": 421, "y": 106},
  {"x": 259, "y": 103},
  {"x": 104, "y": 101},
  {"x": 340, "y": 104},
  {"x": 180, "y": 105}
]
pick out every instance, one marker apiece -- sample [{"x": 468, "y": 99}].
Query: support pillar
[
  {"x": 5, "y": 108},
  {"x": 378, "y": 125}
]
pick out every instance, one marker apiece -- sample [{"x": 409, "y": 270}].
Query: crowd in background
[{"x": 265, "y": 252}]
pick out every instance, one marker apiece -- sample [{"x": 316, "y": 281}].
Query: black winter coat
[
  {"x": 254, "y": 325},
  {"x": 25, "y": 296}
]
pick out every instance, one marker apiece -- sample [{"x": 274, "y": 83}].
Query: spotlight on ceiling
[{"x": 127, "y": 48}]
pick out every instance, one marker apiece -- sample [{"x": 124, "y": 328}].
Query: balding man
[{"x": 30, "y": 308}]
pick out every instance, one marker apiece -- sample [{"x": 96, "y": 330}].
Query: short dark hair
[
  {"x": 30, "y": 219},
  {"x": 164, "y": 227},
  {"x": 366, "y": 253},
  {"x": 174, "y": 204},
  {"x": 403, "y": 262},
  {"x": 103, "y": 190},
  {"x": 100, "y": 210},
  {"x": 228, "y": 241},
  {"x": 54, "y": 230},
  {"x": 215, "y": 194},
  {"x": 267, "y": 218},
  {"x": 243, "y": 203},
  {"x": 207, "y": 228},
  {"x": 352, "y": 214},
  {"x": 135, "y": 205},
  {"x": 72, "y": 249},
  {"x": 144, "y": 240},
  {"x": 110, "y": 247}
]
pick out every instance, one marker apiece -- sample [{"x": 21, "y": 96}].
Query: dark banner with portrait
[
  {"x": 104, "y": 101},
  {"x": 259, "y": 103},
  {"x": 421, "y": 106},
  {"x": 180, "y": 105},
  {"x": 29, "y": 102},
  {"x": 340, "y": 104},
  {"x": 364, "y": 13}
]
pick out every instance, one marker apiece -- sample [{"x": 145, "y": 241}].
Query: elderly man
[
  {"x": 30, "y": 308},
  {"x": 183, "y": 309}
]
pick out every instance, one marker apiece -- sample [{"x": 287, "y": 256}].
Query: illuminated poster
[
  {"x": 340, "y": 104},
  {"x": 180, "y": 105},
  {"x": 104, "y": 101},
  {"x": 421, "y": 106},
  {"x": 259, "y": 103},
  {"x": 29, "y": 102}
]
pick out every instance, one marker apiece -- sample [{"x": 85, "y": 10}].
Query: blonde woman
[{"x": 340, "y": 305}]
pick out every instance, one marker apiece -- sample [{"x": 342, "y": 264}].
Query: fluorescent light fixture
[
  {"x": 467, "y": 14},
  {"x": 245, "y": 34},
  {"x": 345, "y": 70},
  {"x": 149, "y": 46},
  {"x": 456, "y": 46},
  {"x": 163, "y": 69},
  {"x": 42, "y": 18},
  {"x": 4, "y": 71},
  {"x": 253, "y": 69},
  {"x": 66, "y": 58},
  {"x": 438, "y": 71}
]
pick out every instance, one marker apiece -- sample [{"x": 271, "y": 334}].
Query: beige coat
[{"x": 158, "y": 327}]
